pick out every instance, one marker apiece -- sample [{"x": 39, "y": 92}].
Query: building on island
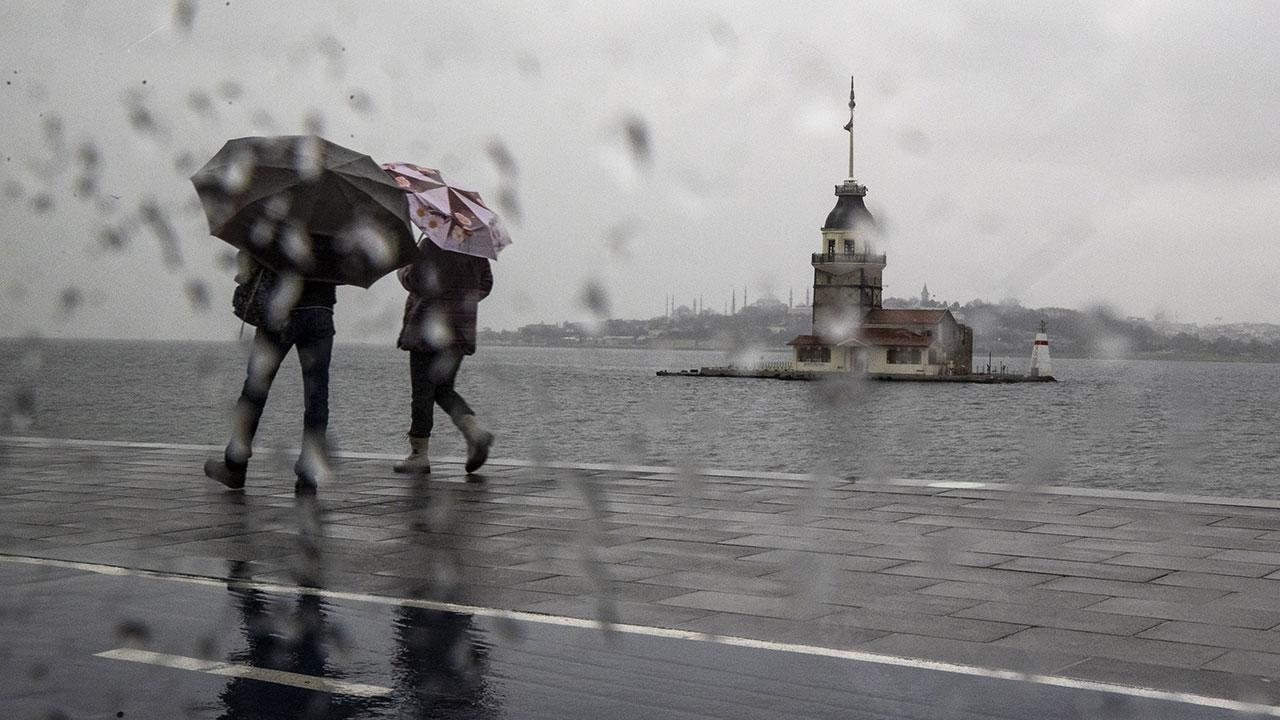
[{"x": 851, "y": 331}]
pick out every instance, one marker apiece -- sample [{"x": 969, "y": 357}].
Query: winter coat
[{"x": 445, "y": 290}]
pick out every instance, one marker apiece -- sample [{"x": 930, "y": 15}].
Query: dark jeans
[
  {"x": 431, "y": 375},
  {"x": 310, "y": 330}
]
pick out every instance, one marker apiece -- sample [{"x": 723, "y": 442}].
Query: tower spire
[{"x": 849, "y": 126}]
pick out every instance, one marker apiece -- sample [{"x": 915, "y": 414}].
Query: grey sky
[{"x": 1061, "y": 153}]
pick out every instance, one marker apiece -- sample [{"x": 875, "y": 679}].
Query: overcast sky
[{"x": 1060, "y": 153}]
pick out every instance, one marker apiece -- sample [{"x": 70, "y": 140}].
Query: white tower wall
[{"x": 1041, "y": 365}]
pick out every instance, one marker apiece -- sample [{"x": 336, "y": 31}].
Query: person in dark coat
[
  {"x": 299, "y": 315},
  {"x": 445, "y": 290}
]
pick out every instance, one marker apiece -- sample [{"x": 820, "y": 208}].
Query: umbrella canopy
[
  {"x": 452, "y": 218},
  {"x": 301, "y": 204}
]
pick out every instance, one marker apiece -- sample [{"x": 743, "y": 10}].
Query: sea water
[{"x": 1185, "y": 427}]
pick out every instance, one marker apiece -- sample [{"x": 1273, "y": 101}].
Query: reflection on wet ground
[
  {"x": 246, "y": 653},
  {"x": 272, "y": 609}
]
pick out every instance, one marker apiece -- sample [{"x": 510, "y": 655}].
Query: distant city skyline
[{"x": 1091, "y": 153}]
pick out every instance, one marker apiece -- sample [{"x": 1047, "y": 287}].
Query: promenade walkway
[{"x": 1058, "y": 586}]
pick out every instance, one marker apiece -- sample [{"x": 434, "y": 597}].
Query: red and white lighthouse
[{"x": 1040, "y": 364}]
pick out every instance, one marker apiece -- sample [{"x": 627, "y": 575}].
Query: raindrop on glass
[
  {"x": 198, "y": 295},
  {"x": 638, "y": 139},
  {"x": 501, "y": 157},
  {"x": 360, "y": 102},
  {"x": 133, "y": 633},
  {"x": 184, "y": 15},
  {"x": 158, "y": 222},
  {"x": 69, "y": 301},
  {"x": 112, "y": 238}
]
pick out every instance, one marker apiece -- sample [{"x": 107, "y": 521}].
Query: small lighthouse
[{"x": 1041, "y": 366}]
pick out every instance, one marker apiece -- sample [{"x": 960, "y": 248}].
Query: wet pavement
[{"x": 136, "y": 588}]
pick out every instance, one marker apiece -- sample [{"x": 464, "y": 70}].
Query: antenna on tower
[{"x": 849, "y": 126}]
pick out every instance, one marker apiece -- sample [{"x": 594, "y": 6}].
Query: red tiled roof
[
  {"x": 866, "y": 337},
  {"x": 903, "y": 316},
  {"x": 894, "y": 337},
  {"x": 806, "y": 341}
]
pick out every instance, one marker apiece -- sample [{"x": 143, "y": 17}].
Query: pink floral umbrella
[{"x": 452, "y": 218}]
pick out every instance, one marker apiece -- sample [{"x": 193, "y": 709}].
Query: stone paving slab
[{"x": 1169, "y": 592}]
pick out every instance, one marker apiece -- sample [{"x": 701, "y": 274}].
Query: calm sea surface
[{"x": 1204, "y": 428}]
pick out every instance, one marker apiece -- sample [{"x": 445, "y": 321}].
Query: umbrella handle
[{"x": 257, "y": 282}]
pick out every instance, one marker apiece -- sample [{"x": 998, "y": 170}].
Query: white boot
[
  {"x": 478, "y": 442},
  {"x": 415, "y": 462}
]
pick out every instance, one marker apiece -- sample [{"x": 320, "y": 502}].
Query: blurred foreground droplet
[
  {"x": 53, "y": 134},
  {"x": 619, "y": 236},
  {"x": 22, "y": 413},
  {"x": 509, "y": 203},
  {"x": 184, "y": 15},
  {"x": 595, "y": 298},
  {"x": 157, "y": 221},
  {"x": 200, "y": 102},
  {"x": 314, "y": 123},
  {"x": 42, "y": 202},
  {"x": 360, "y": 102},
  {"x": 112, "y": 238},
  {"x": 140, "y": 117},
  {"x": 198, "y": 295},
  {"x": 133, "y": 633},
  {"x": 638, "y": 139},
  {"x": 69, "y": 301},
  {"x": 308, "y": 159},
  {"x": 501, "y": 157}
]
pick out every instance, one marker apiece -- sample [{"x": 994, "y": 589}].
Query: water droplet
[
  {"x": 112, "y": 238},
  {"x": 184, "y": 14},
  {"x": 230, "y": 90},
  {"x": 638, "y": 139},
  {"x": 158, "y": 222},
  {"x": 198, "y": 295},
  {"x": 53, "y": 132},
  {"x": 201, "y": 103},
  {"x": 595, "y": 298},
  {"x": 528, "y": 65},
  {"x": 314, "y": 123},
  {"x": 360, "y": 102},
  {"x": 13, "y": 190},
  {"x": 501, "y": 157},
  {"x": 140, "y": 117},
  {"x": 69, "y": 301},
  {"x": 133, "y": 633},
  {"x": 308, "y": 157},
  {"x": 262, "y": 119}
]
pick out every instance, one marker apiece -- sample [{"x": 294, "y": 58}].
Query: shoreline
[{"x": 1057, "y": 355}]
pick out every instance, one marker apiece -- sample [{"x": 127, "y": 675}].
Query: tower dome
[{"x": 850, "y": 212}]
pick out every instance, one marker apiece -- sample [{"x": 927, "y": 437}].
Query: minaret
[{"x": 846, "y": 271}]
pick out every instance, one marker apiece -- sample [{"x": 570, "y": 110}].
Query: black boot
[{"x": 225, "y": 472}]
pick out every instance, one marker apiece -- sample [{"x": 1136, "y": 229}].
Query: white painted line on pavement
[
  {"x": 691, "y": 635},
  {"x": 35, "y": 441},
  {"x": 279, "y": 677},
  {"x": 869, "y": 484}
]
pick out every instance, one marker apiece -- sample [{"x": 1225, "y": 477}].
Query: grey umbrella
[{"x": 301, "y": 204}]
